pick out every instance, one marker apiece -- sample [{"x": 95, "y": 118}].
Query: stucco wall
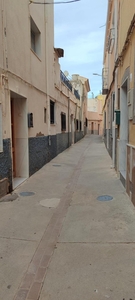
[{"x": 29, "y": 82}]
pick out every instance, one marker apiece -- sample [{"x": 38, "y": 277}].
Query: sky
[{"x": 80, "y": 31}]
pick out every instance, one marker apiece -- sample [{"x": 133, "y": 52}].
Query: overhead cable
[{"x": 59, "y": 2}]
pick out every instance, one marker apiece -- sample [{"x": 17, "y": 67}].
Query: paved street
[{"x": 60, "y": 242}]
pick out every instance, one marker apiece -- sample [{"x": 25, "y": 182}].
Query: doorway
[
  {"x": 98, "y": 129},
  {"x": 19, "y": 139},
  {"x": 92, "y": 127},
  {"x": 72, "y": 129},
  {"x": 123, "y": 130}
]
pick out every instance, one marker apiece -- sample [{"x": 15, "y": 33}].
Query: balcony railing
[
  {"x": 105, "y": 81},
  {"x": 111, "y": 40},
  {"x": 65, "y": 80}
]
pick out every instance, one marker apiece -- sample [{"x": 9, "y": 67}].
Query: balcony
[
  {"x": 76, "y": 94},
  {"x": 65, "y": 80},
  {"x": 105, "y": 81},
  {"x": 111, "y": 40}
]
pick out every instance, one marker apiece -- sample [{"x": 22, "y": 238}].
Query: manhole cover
[
  {"x": 26, "y": 194},
  {"x": 51, "y": 203},
  {"x": 56, "y": 165},
  {"x": 104, "y": 198}
]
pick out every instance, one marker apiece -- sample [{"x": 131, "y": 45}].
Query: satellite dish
[{"x": 66, "y": 73}]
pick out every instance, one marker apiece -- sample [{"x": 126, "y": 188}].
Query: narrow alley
[{"x": 62, "y": 238}]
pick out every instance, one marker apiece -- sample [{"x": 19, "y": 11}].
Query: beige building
[
  {"x": 119, "y": 61},
  {"x": 95, "y": 115},
  {"x": 41, "y": 113}
]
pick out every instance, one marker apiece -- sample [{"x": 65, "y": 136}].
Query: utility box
[{"x": 117, "y": 112}]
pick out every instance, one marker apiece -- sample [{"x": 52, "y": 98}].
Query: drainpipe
[
  {"x": 46, "y": 75},
  {"x": 115, "y": 89},
  {"x": 4, "y": 37}
]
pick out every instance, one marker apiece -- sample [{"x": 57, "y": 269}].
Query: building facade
[
  {"x": 119, "y": 109},
  {"x": 95, "y": 115},
  {"x": 39, "y": 107}
]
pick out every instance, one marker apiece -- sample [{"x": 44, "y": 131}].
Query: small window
[
  {"x": 44, "y": 115},
  {"x": 77, "y": 127},
  {"x": 52, "y": 107},
  {"x": 118, "y": 98},
  {"x": 35, "y": 38},
  {"x": 63, "y": 122},
  {"x": 33, "y": 41}
]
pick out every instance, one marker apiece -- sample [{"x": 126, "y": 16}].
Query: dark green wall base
[
  {"x": 41, "y": 152},
  {"x": 78, "y": 135},
  {"x": 6, "y": 163},
  {"x": 122, "y": 179},
  {"x": 110, "y": 144}
]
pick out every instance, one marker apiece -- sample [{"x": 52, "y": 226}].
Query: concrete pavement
[{"x": 61, "y": 242}]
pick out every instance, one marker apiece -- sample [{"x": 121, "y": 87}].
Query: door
[
  {"x": 13, "y": 137},
  {"x": 98, "y": 129},
  {"x": 92, "y": 127},
  {"x": 72, "y": 128},
  {"x": 19, "y": 139}
]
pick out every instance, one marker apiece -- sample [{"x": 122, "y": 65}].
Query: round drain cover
[
  {"x": 26, "y": 194},
  {"x": 104, "y": 198},
  {"x": 51, "y": 203}
]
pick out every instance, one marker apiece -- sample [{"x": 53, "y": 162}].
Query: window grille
[
  {"x": 63, "y": 122},
  {"x": 52, "y": 106},
  {"x": 77, "y": 127}
]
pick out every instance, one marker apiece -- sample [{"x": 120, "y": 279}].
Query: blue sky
[{"x": 80, "y": 31}]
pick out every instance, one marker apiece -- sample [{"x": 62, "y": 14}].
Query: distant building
[{"x": 95, "y": 115}]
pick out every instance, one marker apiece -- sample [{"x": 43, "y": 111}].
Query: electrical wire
[{"x": 59, "y": 2}]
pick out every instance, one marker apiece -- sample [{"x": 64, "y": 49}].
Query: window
[
  {"x": 76, "y": 124},
  {"x": 52, "y": 107},
  {"x": 33, "y": 41},
  {"x": 63, "y": 122},
  {"x": 118, "y": 98},
  {"x": 35, "y": 38},
  {"x": 44, "y": 115},
  {"x": 113, "y": 105},
  {"x": 1, "y": 138},
  {"x": 80, "y": 125}
]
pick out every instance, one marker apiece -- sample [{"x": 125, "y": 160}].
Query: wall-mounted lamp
[{"x": 97, "y": 74}]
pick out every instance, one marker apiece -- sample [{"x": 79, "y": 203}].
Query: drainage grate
[
  {"x": 104, "y": 198},
  {"x": 26, "y": 194},
  {"x": 56, "y": 165}
]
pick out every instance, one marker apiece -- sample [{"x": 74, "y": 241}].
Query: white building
[{"x": 38, "y": 105}]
